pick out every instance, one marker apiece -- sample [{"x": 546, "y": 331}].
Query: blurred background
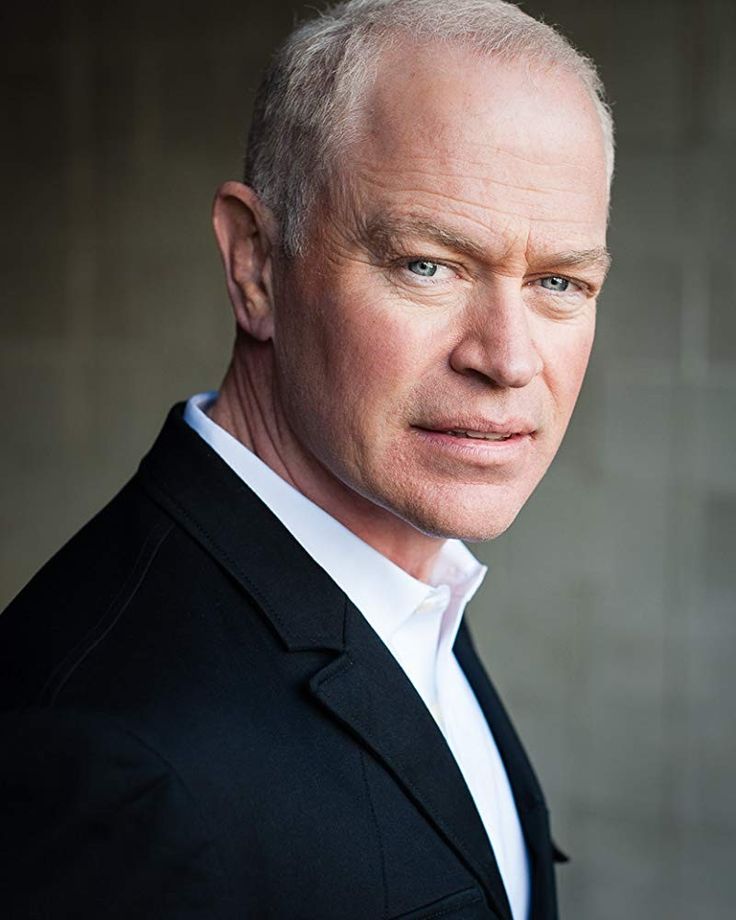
[{"x": 608, "y": 617}]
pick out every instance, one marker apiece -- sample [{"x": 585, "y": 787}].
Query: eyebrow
[
  {"x": 598, "y": 257},
  {"x": 381, "y": 232}
]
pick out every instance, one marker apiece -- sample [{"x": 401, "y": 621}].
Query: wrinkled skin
[{"x": 449, "y": 283}]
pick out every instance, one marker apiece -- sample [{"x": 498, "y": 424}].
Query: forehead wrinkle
[
  {"x": 524, "y": 209},
  {"x": 433, "y": 172},
  {"x": 381, "y": 231}
]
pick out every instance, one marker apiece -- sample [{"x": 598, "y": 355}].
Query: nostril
[{"x": 500, "y": 367}]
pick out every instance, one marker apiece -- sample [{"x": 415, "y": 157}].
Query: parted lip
[{"x": 482, "y": 425}]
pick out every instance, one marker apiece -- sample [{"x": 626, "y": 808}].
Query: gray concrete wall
[{"x": 608, "y": 616}]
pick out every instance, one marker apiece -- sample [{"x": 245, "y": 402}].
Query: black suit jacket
[{"x": 197, "y": 723}]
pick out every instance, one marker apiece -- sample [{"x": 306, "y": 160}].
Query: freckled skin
[{"x": 363, "y": 351}]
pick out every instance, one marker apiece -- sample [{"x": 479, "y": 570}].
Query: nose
[{"x": 497, "y": 342}]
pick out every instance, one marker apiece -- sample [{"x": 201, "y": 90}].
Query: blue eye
[
  {"x": 555, "y": 284},
  {"x": 423, "y": 267}
]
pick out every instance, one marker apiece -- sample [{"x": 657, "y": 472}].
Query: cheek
[
  {"x": 370, "y": 351},
  {"x": 566, "y": 359},
  {"x": 347, "y": 365}
]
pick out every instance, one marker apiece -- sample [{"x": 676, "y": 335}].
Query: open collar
[{"x": 385, "y": 594}]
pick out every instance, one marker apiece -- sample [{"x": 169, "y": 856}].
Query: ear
[{"x": 246, "y": 236}]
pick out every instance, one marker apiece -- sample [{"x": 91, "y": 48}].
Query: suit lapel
[
  {"x": 199, "y": 490},
  {"x": 366, "y": 690},
  {"x": 525, "y": 787},
  {"x": 363, "y": 687}
]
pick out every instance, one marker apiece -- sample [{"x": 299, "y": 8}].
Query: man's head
[
  {"x": 416, "y": 313},
  {"x": 311, "y": 105}
]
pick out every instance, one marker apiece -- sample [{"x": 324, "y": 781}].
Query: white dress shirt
[{"x": 418, "y": 623}]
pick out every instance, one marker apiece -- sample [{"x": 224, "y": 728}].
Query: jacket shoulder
[{"x": 77, "y": 594}]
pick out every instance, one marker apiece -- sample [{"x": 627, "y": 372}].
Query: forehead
[{"x": 512, "y": 149}]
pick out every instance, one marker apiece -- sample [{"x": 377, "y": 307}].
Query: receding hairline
[
  {"x": 463, "y": 54},
  {"x": 309, "y": 103}
]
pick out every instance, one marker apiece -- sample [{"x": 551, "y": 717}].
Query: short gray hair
[{"x": 307, "y": 105}]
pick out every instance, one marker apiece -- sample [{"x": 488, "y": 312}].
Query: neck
[{"x": 246, "y": 407}]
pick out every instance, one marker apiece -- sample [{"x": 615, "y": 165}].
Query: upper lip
[{"x": 481, "y": 424}]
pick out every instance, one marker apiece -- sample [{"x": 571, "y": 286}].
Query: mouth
[
  {"x": 476, "y": 435},
  {"x": 480, "y": 429},
  {"x": 480, "y": 441}
]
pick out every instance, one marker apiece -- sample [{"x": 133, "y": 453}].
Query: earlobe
[{"x": 244, "y": 228}]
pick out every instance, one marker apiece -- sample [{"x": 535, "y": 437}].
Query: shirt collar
[{"x": 383, "y": 592}]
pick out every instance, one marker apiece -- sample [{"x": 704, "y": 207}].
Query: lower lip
[{"x": 477, "y": 448}]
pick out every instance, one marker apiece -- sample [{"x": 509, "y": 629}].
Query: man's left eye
[
  {"x": 423, "y": 267},
  {"x": 556, "y": 284}
]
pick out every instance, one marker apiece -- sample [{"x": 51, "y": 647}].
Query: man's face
[{"x": 431, "y": 342}]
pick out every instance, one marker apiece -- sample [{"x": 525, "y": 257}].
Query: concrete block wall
[
  {"x": 609, "y": 615},
  {"x": 607, "y": 619}
]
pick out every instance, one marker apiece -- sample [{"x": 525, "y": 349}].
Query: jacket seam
[
  {"x": 381, "y": 851},
  {"x": 451, "y": 910},
  {"x": 115, "y": 609},
  {"x": 209, "y": 837}
]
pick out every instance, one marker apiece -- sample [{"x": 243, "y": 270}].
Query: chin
[{"x": 473, "y": 521}]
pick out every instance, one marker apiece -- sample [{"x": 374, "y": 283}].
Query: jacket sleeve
[{"x": 94, "y": 823}]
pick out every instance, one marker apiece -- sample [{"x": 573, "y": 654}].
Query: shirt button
[{"x": 433, "y": 602}]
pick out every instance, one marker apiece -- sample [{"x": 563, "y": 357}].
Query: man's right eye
[{"x": 423, "y": 267}]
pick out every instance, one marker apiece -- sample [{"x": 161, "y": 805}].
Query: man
[{"x": 245, "y": 688}]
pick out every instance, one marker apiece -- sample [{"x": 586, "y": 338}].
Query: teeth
[{"x": 480, "y": 435}]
